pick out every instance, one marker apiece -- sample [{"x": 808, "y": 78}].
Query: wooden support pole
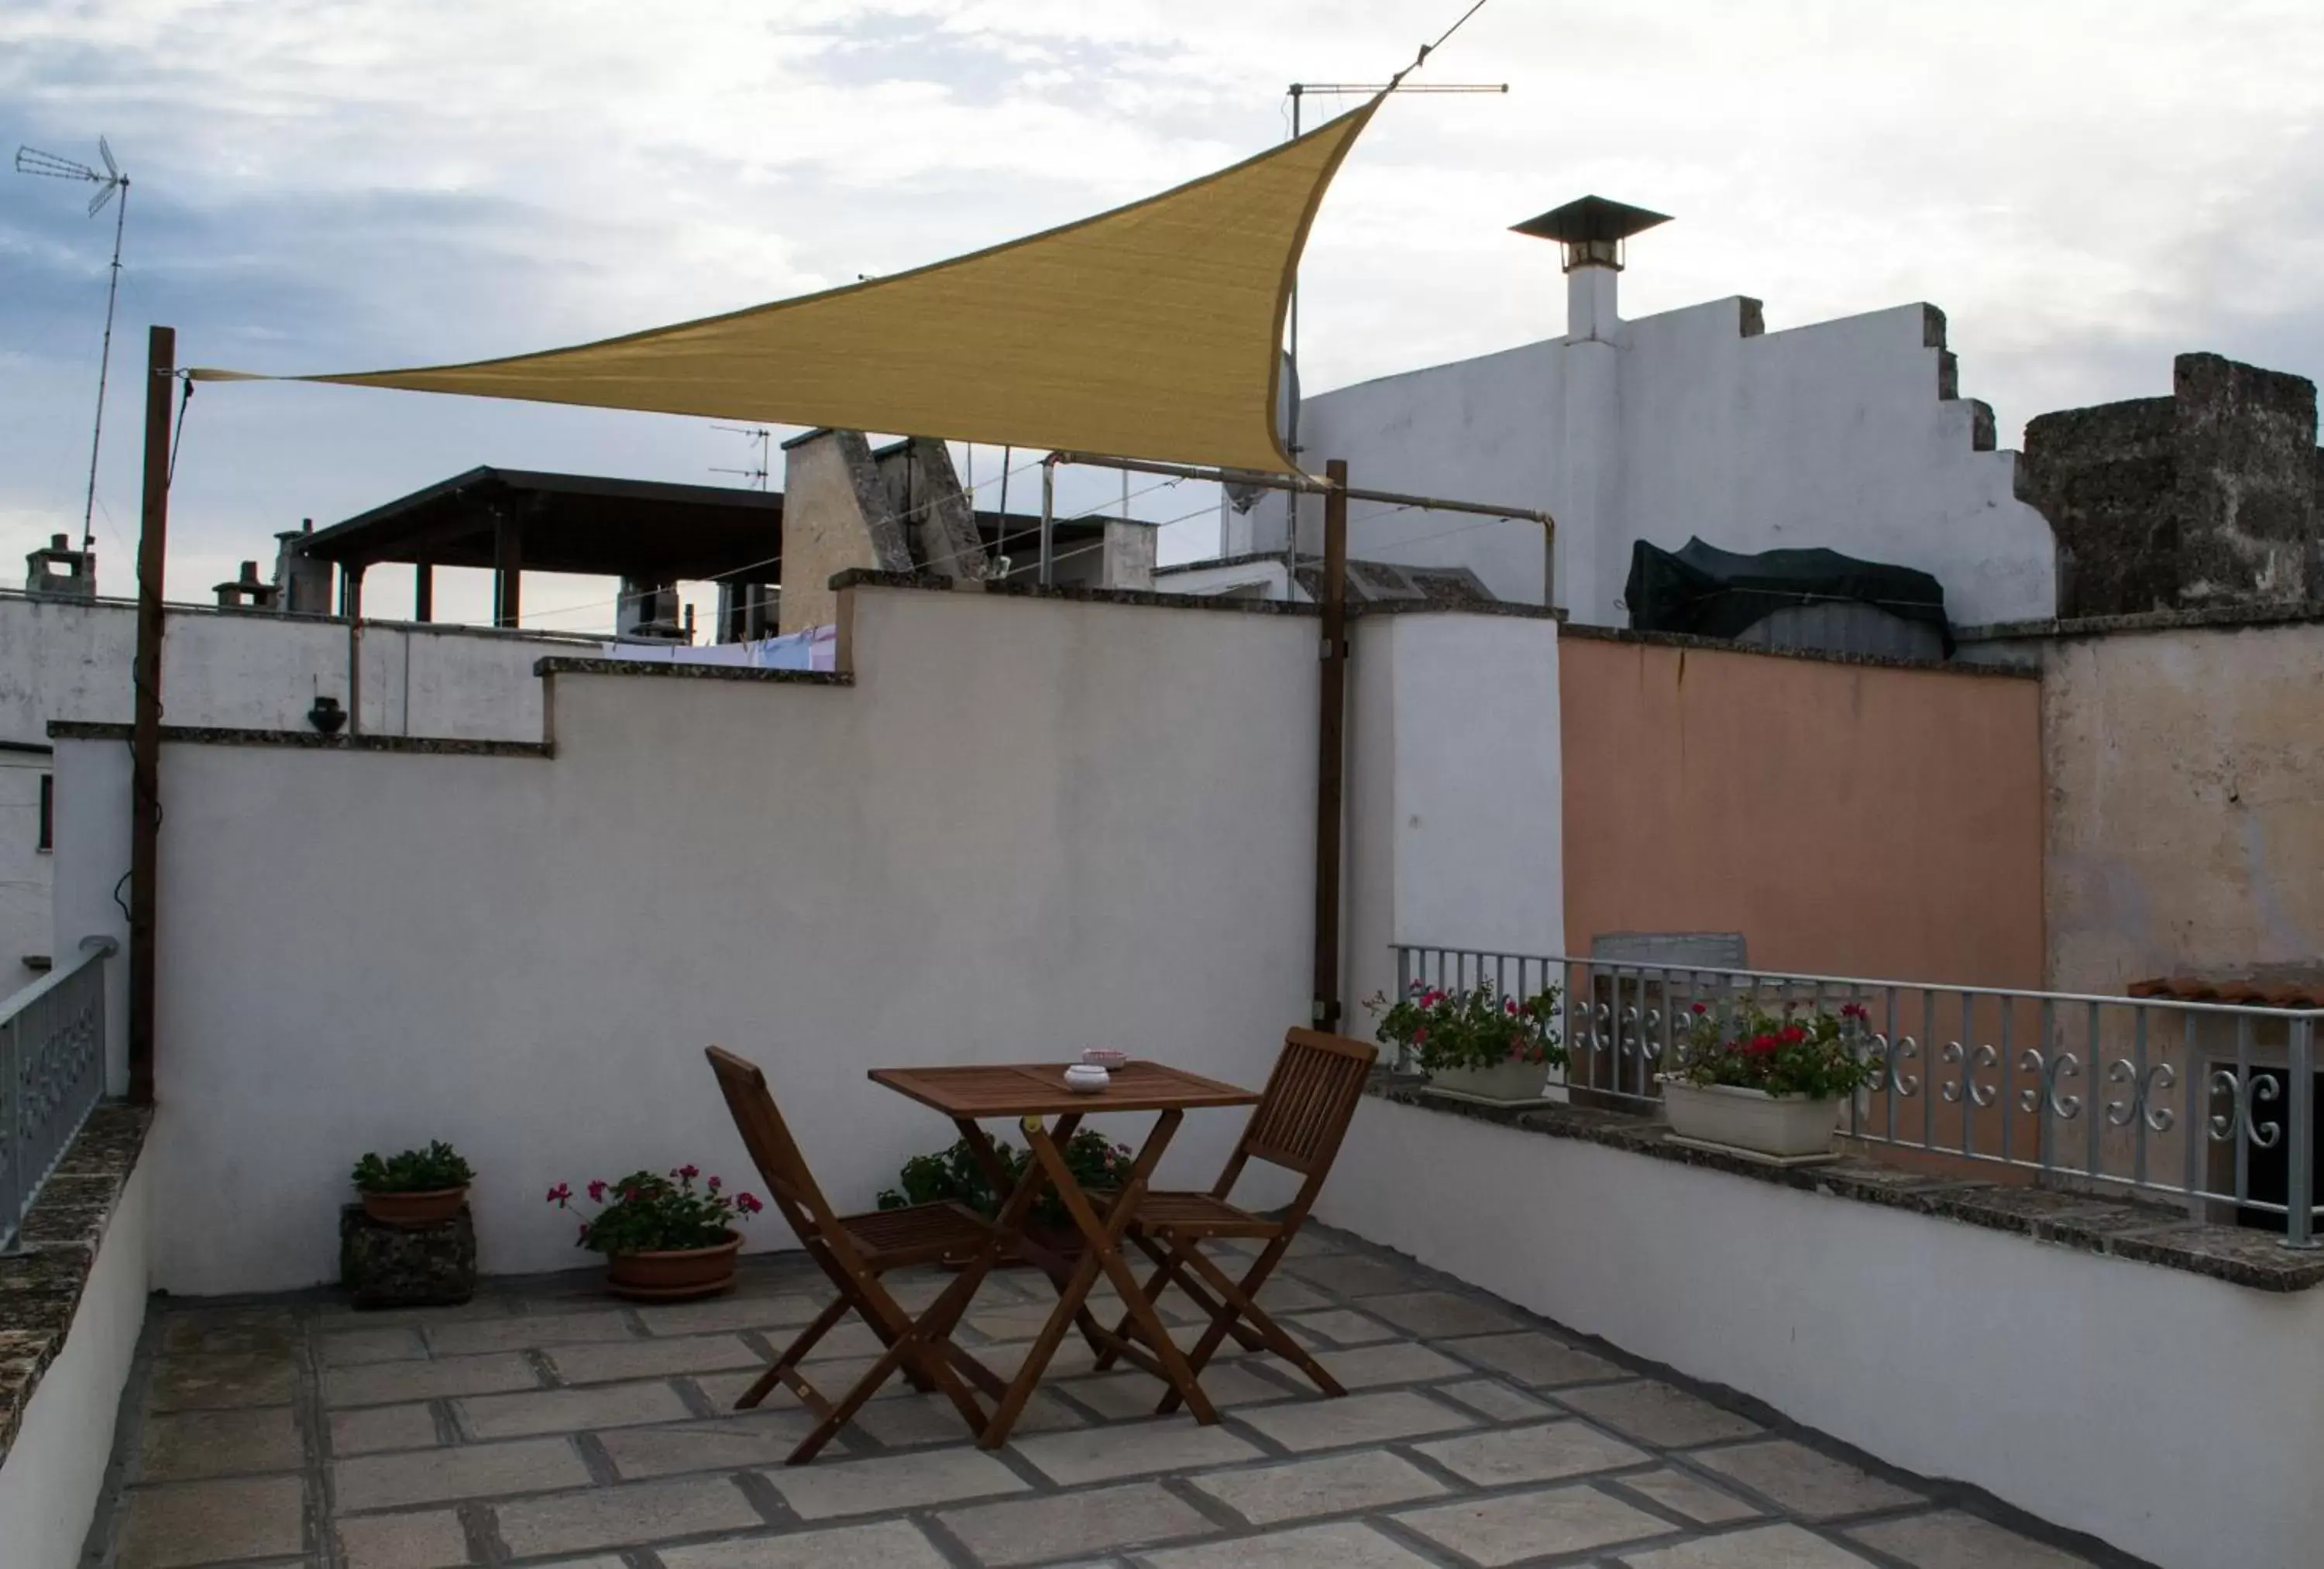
[
  {"x": 508, "y": 568},
  {"x": 1330, "y": 755},
  {"x": 146, "y": 738}
]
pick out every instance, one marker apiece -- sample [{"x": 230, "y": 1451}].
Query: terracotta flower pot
[
  {"x": 674, "y": 1275},
  {"x": 410, "y": 1211}
]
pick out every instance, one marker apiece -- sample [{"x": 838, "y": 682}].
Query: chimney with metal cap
[{"x": 1592, "y": 232}]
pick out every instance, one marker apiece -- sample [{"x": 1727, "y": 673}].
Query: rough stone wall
[
  {"x": 2247, "y": 490},
  {"x": 2203, "y": 499},
  {"x": 2103, "y": 476}
]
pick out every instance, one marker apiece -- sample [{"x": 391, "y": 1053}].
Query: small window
[{"x": 48, "y": 811}]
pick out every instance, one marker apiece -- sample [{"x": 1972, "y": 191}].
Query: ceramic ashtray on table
[{"x": 1105, "y": 1057}]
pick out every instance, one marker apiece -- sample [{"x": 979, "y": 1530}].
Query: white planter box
[
  {"x": 1510, "y": 1082},
  {"x": 1786, "y": 1127}
]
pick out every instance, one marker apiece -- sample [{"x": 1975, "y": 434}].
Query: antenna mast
[
  {"x": 112, "y": 182},
  {"x": 764, "y": 438}
]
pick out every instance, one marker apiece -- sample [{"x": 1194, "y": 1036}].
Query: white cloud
[{"x": 2084, "y": 188}]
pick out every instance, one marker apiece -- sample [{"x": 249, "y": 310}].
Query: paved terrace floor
[{"x": 543, "y": 1424}]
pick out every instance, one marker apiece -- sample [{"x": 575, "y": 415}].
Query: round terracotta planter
[
  {"x": 409, "y": 1211},
  {"x": 675, "y": 1274}
]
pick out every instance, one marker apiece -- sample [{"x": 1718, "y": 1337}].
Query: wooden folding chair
[
  {"x": 855, "y": 1251},
  {"x": 1302, "y": 1116}
]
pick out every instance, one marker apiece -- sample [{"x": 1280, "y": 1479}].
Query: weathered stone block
[{"x": 427, "y": 1267}]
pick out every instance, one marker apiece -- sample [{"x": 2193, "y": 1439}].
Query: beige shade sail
[{"x": 1152, "y": 331}]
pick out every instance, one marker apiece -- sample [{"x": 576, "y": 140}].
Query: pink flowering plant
[
  {"x": 1476, "y": 1028},
  {"x": 643, "y": 1212},
  {"x": 1809, "y": 1052}
]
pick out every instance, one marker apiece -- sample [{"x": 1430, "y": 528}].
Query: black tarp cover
[{"x": 1718, "y": 594}]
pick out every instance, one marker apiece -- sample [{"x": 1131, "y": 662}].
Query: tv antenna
[
  {"x": 764, "y": 438},
  {"x": 111, "y": 183}
]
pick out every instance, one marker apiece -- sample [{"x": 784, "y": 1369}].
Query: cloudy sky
[{"x": 2085, "y": 188}]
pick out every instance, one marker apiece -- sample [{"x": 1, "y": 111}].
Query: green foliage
[
  {"x": 650, "y": 1213},
  {"x": 1478, "y": 1028},
  {"x": 954, "y": 1174},
  {"x": 428, "y": 1170},
  {"x": 1815, "y": 1054}
]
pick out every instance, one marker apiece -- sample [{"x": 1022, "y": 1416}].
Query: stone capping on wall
[
  {"x": 40, "y": 1285},
  {"x": 2141, "y": 1231},
  {"x": 559, "y": 665},
  {"x": 862, "y": 577},
  {"x": 1813, "y": 656},
  {"x": 2228, "y": 617},
  {"x": 299, "y": 740},
  {"x": 865, "y": 577},
  {"x": 310, "y": 619}
]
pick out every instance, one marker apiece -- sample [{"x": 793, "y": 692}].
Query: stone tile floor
[{"x": 543, "y": 1424}]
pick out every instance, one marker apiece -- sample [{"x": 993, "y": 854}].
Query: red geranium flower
[
  {"x": 747, "y": 1204},
  {"x": 561, "y": 1194},
  {"x": 597, "y": 1191}
]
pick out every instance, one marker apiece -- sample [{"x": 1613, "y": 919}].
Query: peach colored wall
[{"x": 1847, "y": 819}]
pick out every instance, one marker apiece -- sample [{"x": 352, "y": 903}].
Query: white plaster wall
[
  {"x": 55, "y": 1469},
  {"x": 1826, "y": 435},
  {"x": 2032, "y": 1370},
  {"x": 92, "y": 846},
  {"x": 1111, "y": 842},
  {"x": 24, "y": 868},
  {"x": 1453, "y": 809},
  {"x": 71, "y": 660}
]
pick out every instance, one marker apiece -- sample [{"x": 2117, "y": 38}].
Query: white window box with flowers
[
  {"x": 1478, "y": 1044},
  {"x": 1768, "y": 1084}
]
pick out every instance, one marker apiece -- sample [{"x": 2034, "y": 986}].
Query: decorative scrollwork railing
[
  {"x": 51, "y": 1072},
  {"x": 2210, "y": 1105}
]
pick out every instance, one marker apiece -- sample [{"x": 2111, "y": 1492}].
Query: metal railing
[
  {"x": 2210, "y": 1106},
  {"x": 51, "y": 1072}
]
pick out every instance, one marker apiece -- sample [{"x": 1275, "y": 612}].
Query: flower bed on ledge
[
  {"x": 2141, "y": 1231},
  {"x": 41, "y": 1286}
]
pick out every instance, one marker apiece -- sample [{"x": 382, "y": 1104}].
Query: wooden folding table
[{"x": 1031, "y": 1092}]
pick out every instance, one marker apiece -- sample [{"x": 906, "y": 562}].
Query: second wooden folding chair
[
  {"x": 1302, "y": 1116},
  {"x": 855, "y": 1251}
]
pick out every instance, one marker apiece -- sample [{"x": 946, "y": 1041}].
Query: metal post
[
  {"x": 1049, "y": 517},
  {"x": 2300, "y": 1184},
  {"x": 508, "y": 568},
  {"x": 423, "y": 591},
  {"x": 145, "y": 744},
  {"x": 1330, "y": 755}
]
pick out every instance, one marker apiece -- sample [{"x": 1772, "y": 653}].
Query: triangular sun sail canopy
[{"x": 1151, "y": 331}]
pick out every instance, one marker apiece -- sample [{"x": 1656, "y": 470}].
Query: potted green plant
[
  {"x": 415, "y": 1189},
  {"x": 1769, "y": 1084},
  {"x": 1477, "y": 1043},
  {"x": 664, "y": 1239},
  {"x": 954, "y": 1174}
]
